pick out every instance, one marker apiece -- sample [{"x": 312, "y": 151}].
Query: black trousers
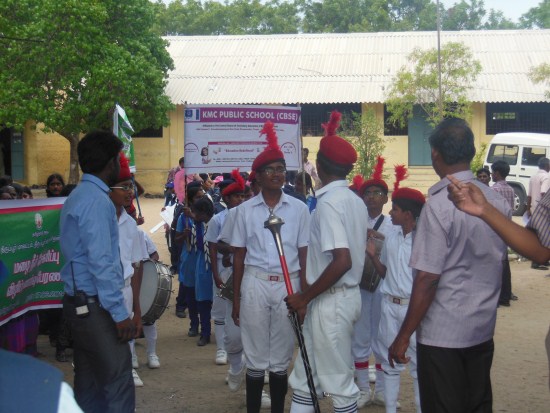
[
  {"x": 102, "y": 365},
  {"x": 506, "y": 289},
  {"x": 455, "y": 380}
]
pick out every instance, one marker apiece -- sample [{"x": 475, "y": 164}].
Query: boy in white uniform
[
  {"x": 335, "y": 263},
  {"x": 131, "y": 249},
  {"x": 393, "y": 265},
  {"x": 233, "y": 196},
  {"x": 259, "y": 288}
]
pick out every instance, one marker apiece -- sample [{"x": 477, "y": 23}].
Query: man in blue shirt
[{"x": 93, "y": 279}]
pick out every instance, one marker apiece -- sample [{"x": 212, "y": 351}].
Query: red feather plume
[
  {"x": 378, "y": 168},
  {"x": 358, "y": 181},
  {"x": 239, "y": 180},
  {"x": 271, "y": 136},
  {"x": 333, "y": 123},
  {"x": 400, "y": 175}
]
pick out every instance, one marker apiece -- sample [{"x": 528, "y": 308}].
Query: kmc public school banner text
[
  {"x": 30, "y": 256},
  {"x": 220, "y": 138}
]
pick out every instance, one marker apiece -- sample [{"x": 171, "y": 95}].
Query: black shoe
[
  {"x": 504, "y": 303},
  {"x": 193, "y": 333},
  {"x": 536, "y": 266},
  {"x": 180, "y": 313},
  {"x": 61, "y": 356},
  {"x": 514, "y": 297},
  {"x": 203, "y": 341}
]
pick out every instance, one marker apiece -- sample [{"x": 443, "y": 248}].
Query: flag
[{"x": 123, "y": 129}]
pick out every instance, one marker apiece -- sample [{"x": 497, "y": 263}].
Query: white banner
[{"x": 220, "y": 138}]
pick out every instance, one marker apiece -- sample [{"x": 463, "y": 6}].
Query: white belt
[
  {"x": 397, "y": 300},
  {"x": 334, "y": 290},
  {"x": 262, "y": 275}
]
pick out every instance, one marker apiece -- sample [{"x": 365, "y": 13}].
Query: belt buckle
[
  {"x": 396, "y": 300},
  {"x": 273, "y": 277}
]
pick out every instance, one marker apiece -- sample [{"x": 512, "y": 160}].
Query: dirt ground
[{"x": 190, "y": 382}]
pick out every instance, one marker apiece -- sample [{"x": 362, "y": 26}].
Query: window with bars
[
  {"x": 313, "y": 115},
  {"x": 517, "y": 117},
  {"x": 394, "y": 130}
]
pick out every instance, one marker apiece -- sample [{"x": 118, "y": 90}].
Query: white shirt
[
  {"x": 395, "y": 255},
  {"x": 386, "y": 227},
  {"x": 338, "y": 221},
  {"x": 261, "y": 251},
  {"x": 538, "y": 185},
  {"x": 129, "y": 243},
  {"x": 215, "y": 226},
  {"x": 150, "y": 246},
  {"x": 226, "y": 231}
]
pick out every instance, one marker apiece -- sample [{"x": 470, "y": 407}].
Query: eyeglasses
[
  {"x": 373, "y": 193},
  {"x": 270, "y": 171},
  {"x": 123, "y": 187}
]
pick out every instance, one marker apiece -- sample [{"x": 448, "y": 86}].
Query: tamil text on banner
[
  {"x": 123, "y": 129},
  {"x": 222, "y": 138},
  {"x": 30, "y": 256}
]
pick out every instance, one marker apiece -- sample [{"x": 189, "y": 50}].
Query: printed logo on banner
[
  {"x": 288, "y": 148},
  {"x": 192, "y": 114},
  {"x": 38, "y": 221}
]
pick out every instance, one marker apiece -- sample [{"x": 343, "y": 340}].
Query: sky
[{"x": 512, "y": 9}]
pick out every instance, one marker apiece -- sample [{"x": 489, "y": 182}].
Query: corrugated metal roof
[{"x": 342, "y": 68}]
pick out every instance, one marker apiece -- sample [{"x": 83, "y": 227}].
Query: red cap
[
  {"x": 252, "y": 176},
  {"x": 236, "y": 187},
  {"x": 333, "y": 147},
  {"x": 405, "y": 193},
  {"x": 272, "y": 152},
  {"x": 124, "y": 173},
  {"x": 376, "y": 177}
]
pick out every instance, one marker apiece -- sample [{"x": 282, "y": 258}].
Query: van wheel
[{"x": 519, "y": 201}]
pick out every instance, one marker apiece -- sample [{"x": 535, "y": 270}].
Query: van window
[
  {"x": 507, "y": 153},
  {"x": 531, "y": 156}
]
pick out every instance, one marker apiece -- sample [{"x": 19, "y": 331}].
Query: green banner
[
  {"x": 30, "y": 256},
  {"x": 123, "y": 129}
]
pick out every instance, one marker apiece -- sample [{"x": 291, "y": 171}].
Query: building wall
[{"x": 46, "y": 153}]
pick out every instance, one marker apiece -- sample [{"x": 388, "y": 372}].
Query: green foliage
[
  {"x": 417, "y": 84},
  {"x": 479, "y": 157},
  {"x": 366, "y": 133},
  {"x": 537, "y": 17},
  {"x": 65, "y": 63},
  {"x": 541, "y": 75}
]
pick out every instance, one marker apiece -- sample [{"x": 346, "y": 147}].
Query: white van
[{"x": 522, "y": 151}]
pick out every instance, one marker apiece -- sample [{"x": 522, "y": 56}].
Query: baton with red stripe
[{"x": 274, "y": 224}]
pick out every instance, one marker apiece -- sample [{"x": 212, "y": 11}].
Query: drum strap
[{"x": 378, "y": 223}]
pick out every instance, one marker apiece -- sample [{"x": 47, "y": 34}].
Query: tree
[
  {"x": 366, "y": 134},
  {"x": 65, "y": 64},
  {"x": 418, "y": 84},
  {"x": 537, "y": 17},
  {"x": 541, "y": 75}
]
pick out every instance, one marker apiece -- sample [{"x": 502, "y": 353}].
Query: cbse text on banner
[
  {"x": 220, "y": 138},
  {"x": 30, "y": 256}
]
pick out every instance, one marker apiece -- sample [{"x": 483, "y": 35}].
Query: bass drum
[{"x": 156, "y": 288}]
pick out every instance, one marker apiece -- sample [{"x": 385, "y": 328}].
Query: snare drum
[{"x": 156, "y": 288}]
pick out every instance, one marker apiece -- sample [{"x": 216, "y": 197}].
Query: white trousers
[
  {"x": 328, "y": 331},
  {"x": 266, "y": 331}
]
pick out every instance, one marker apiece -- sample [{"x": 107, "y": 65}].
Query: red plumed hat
[
  {"x": 335, "y": 149},
  {"x": 236, "y": 187},
  {"x": 376, "y": 177},
  {"x": 405, "y": 193},
  {"x": 124, "y": 173},
  {"x": 356, "y": 183},
  {"x": 272, "y": 152}
]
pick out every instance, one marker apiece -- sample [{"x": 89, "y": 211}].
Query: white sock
[
  {"x": 391, "y": 391},
  {"x": 219, "y": 332},
  {"x": 236, "y": 362},
  {"x": 150, "y": 333},
  {"x": 362, "y": 373},
  {"x": 417, "y": 396},
  {"x": 379, "y": 385},
  {"x": 132, "y": 344},
  {"x": 301, "y": 404}
]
